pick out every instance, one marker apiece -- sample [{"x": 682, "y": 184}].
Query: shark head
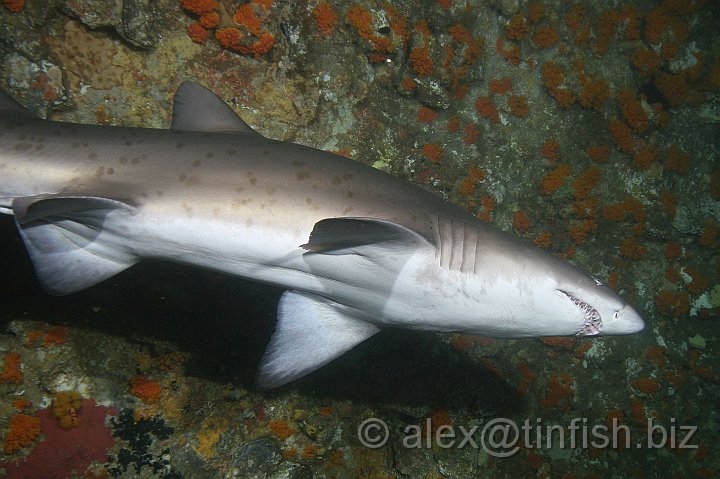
[
  {"x": 494, "y": 284},
  {"x": 559, "y": 301},
  {"x": 566, "y": 300},
  {"x": 600, "y": 310},
  {"x": 559, "y": 298}
]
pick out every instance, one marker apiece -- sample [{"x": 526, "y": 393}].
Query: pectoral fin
[
  {"x": 311, "y": 331},
  {"x": 67, "y": 244}
]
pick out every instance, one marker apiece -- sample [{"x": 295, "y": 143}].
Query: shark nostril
[{"x": 593, "y": 322}]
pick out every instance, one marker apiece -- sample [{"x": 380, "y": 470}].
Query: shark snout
[
  {"x": 632, "y": 318},
  {"x": 625, "y": 321}
]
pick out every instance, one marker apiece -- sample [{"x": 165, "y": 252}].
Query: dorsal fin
[
  {"x": 9, "y": 106},
  {"x": 195, "y": 108}
]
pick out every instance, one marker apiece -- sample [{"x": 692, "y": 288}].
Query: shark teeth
[{"x": 593, "y": 322}]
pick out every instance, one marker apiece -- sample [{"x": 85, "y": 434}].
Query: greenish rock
[
  {"x": 697, "y": 342},
  {"x": 715, "y": 296},
  {"x": 258, "y": 457},
  {"x": 137, "y": 24},
  {"x": 93, "y": 14},
  {"x": 131, "y": 19},
  {"x": 380, "y": 165},
  {"x": 709, "y": 111},
  {"x": 39, "y": 85}
]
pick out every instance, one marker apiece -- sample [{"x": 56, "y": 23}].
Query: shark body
[{"x": 357, "y": 249}]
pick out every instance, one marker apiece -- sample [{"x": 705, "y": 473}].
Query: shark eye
[
  {"x": 597, "y": 281},
  {"x": 616, "y": 315}
]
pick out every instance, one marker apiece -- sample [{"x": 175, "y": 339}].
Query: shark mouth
[{"x": 593, "y": 322}]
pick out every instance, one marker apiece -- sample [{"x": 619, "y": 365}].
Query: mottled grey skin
[
  {"x": 279, "y": 189},
  {"x": 356, "y": 248},
  {"x": 242, "y": 178}
]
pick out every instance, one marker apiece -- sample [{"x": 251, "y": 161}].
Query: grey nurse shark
[{"x": 357, "y": 249}]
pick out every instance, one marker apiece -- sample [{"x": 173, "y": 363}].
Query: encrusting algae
[
  {"x": 65, "y": 406},
  {"x": 22, "y": 432},
  {"x": 247, "y": 37},
  {"x": 11, "y": 372},
  {"x": 148, "y": 391}
]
